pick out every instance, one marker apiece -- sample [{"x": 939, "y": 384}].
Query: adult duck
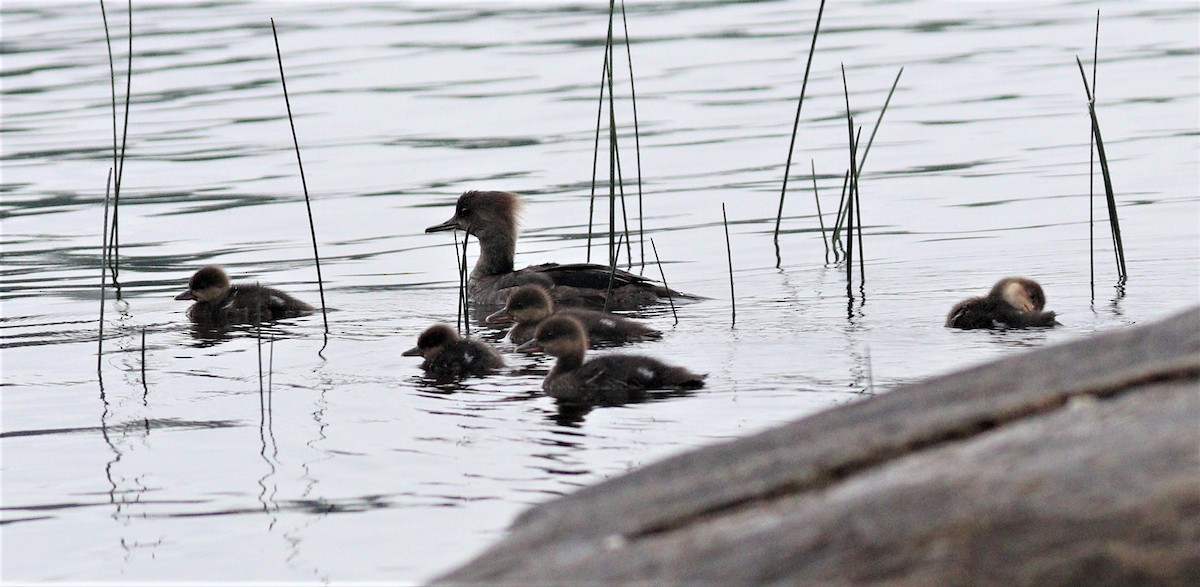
[{"x": 492, "y": 218}]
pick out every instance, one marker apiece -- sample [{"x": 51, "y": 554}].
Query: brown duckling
[
  {"x": 449, "y": 356},
  {"x": 1014, "y": 302},
  {"x": 607, "y": 379},
  {"x": 492, "y": 218},
  {"x": 219, "y": 302},
  {"x": 530, "y": 304}
]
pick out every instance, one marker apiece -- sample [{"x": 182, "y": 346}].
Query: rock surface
[{"x": 1074, "y": 464}]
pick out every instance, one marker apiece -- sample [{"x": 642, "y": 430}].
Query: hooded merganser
[
  {"x": 492, "y": 218},
  {"x": 607, "y": 379},
  {"x": 1014, "y": 302},
  {"x": 219, "y": 302},
  {"x": 449, "y": 356},
  {"x": 530, "y": 304}
]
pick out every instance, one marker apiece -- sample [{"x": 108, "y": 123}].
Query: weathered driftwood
[{"x": 1075, "y": 464}]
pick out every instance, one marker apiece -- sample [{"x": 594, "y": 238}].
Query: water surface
[{"x": 175, "y": 467}]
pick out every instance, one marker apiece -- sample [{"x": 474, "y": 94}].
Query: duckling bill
[
  {"x": 1014, "y": 302},
  {"x": 217, "y": 301},
  {"x": 491, "y": 217},
  {"x": 448, "y": 356},
  {"x": 529, "y": 305},
  {"x": 609, "y": 379}
]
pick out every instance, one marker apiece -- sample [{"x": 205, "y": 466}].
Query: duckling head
[
  {"x": 208, "y": 284},
  {"x": 432, "y": 340},
  {"x": 484, "y": 214},
  {"x": 527, "y": 304},
  {"x": 558, "y": 336},
  {"x": 1021, "y": 293}
]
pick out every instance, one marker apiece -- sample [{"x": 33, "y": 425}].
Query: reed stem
[
  {"x": 729, "y": 256},
  {"x": 270, "y": 371},
  {"x": 795, "y": 128},
  {"x": 612, "y": 148},
  {"x": 853, "y": 182},
  {"x": 624, "y": 210},
  {"x": 862, "y": 275},
  {"x": 663, "y": 275},
  {"x": 1113, "y": 221},
  {"x": 1092, "y": 173},
  {"x": 458, "y": 261},
  {"x": 863, "y": 160},
  {"x": 820, "y": 218},
  {"x": 103, "y": 271},
  {"x": 596, "y": 156},
  {"x": 612, "y": 274},
  {"x": 145, "y": 386},
  {"x": 114, "y": 242},
  {"x": 835, "y": 239},
  {"x": 258, "y": 339},
  {"x": 637, "y": 140},
  {"x": 463, "y": 280},
  {"x": 303, "y": 182}
]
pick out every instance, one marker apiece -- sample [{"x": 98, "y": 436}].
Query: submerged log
[{"x": 1073, "y": 464}]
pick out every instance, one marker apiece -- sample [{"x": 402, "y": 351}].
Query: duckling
[
  {"x": 1014, "y": 302},
  {"x": 449, "y": 356},
  {"x": 529, "y": 304},
  {"x": 219, "y": 302},
  {"x": 608, "y": 379},
  {"x": 492, "y": 218}
]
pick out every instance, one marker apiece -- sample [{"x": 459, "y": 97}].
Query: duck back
[
  {"x": 582, "y": 285},
  {"x": 617, "y": 379},
  {"x": 990, "y": 312},
  {"x": 248, "y": 304},
  {"x": 462, "y": 358},
  {"x": 602, "y": 328}
]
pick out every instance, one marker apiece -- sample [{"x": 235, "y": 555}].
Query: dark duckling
[
  {"x": 492, "y": 218},
  {"x": 529, "y": 305},
  {"x": 1014, "y": 302},
  {"x": 219, "y": 302},
  {"x": 608, "y": 379},
  {"x": 449, "y": 356}
]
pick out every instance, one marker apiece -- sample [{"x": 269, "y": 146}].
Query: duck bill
[
  {"x": 451, "y": 224},
  {"x": 187, "y": 295},
  {"x": 500, "y": 317},
  {"x": 413, "y": 352},
  {"x": 530, "y": 346}
]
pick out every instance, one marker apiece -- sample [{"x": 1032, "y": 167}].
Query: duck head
[
  {"x": 1021, "y": 293},
  {"x": 527, "y": 304},
  {"x": 558, "y": 336},
  {"x": 483, "y": 214},
  {"x": 208, "y": 284},
  {"x": 432, "y": 340}
]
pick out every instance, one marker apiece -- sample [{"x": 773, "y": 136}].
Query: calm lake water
[{"x": 168, "y": 463}]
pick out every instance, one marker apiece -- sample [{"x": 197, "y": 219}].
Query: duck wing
[{"x": 586, "y": 275}]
